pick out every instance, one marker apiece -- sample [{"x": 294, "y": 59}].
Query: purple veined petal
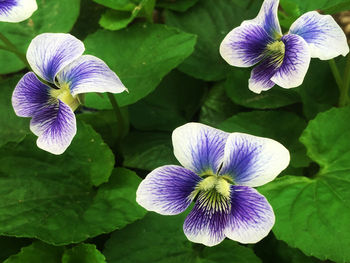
[
  {"x": 244, "y": 45},
  {"x": 48, "y": 53},
  {"x": 55, "y": 125},
  {"x": 324, "y": 36},
  {"x": 253, "y": 161},
  {"x": 267, "y": 18},
  {"x": 167, "y": 190},
  {"x": 29, "y": 95},
  {"x": 260, "y": 77},
  {"x": 295, "y": 64},
  {"x": 89, "y": 74},
  {"x": 199, "y": 147},
  {"x": 251, "y": 217},
  {"x": 207, "y": 221},
  {"x": 16, "y": 10}
]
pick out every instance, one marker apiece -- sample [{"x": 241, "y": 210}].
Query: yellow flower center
[
  {"x": 276, "y": 51},
  {"x": 64, "y": 95}
]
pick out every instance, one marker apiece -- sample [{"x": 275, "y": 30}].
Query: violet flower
[{"x": 16, "y": 10}]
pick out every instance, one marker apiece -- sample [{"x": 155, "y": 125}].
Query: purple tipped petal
[
  {"x": 267, "y": 18},
  {"x": 199, "y": 147},
  {"x": 252, "y": 160},
  {"x": 55, "y": 126},
  {"x": 244, "y": 45},
  {"x": 48, "y": 53},
  {"x": 90, "y": 74},
  {"x": 324, "y": 36},
  {"x": 251, "y": 217},
  {"x": 206, "y": 222},
  {"x": 16, "y": 10},
  {"x": 29, "y": 95},
  {"x": 295, "y": 62},
  {"x": 260, "y": 77},
  {"x": 167, "y": 190}
]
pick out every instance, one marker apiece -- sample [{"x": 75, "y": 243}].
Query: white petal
[
  {"x": 198, "y": 147},
  {"x": 295, "y": 64},
  {"x": 17, "y": 10},
  {"x": 89, "y": 74},
  {"x": 49, "y": 53},
  {"x": 325, "y": 37},
  {"x": 253, "y": 161}
]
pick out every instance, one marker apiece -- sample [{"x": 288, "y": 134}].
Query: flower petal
[
  {"x": 55, "y": 126},
  {"x": 167, "y": 190},
  {"x": 48, "y": 53},
  {"x": 251, "y": 217},
  {"x": 260, "y": 77},
  {"x": 267, "y": 18},
  {"x": 199, "y": 147},
  {"x": 16, "y": 10},
  {"x": 295, "y": 64},
  {"x": 89, "y": 74},
  {"x": 252, "y": 160},
  {"x": 244, "y": 45},
  {"x": 206, "y": 222},
  {"x": 29, "y": 95},
  {"x": 325, "y": 37}
]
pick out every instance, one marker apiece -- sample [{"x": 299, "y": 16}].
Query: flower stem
[
  {"x": 344, "y": 94},
  {"x": 9, "y": 46},
  {"x": 118, "y": 114}
]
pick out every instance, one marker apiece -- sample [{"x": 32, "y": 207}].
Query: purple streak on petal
[
  {"x": 260, "y": 77},
  {"x": 295, "y": 64},
  {"x": 55, "y": 125},
  {"x": 6, "y": 6},
  {"x": 244, "y": 45},
  {"x": 29, "y": 95},
  {"x": 251, "y": 217},
  {"x": 90, "y": 74},
  {"x": 205, "y": 224},
  {"x": 167, "y": 190}
]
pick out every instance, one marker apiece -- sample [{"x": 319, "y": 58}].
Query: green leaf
[
  {"x": 285, "y": 127},
  {"x": 37, "y": 252},
  {"x": 148, "y": 150},
  {"x": 217, "y": 107},
  {"x": 211, "y": 21},
  {"x": 319, "y": 92},
  {"x": 237, "y": 89},
  {"x": 173, "y": 103},
  {"x": 85, "y": 253},
  {"x": 313, "y": 214},
  {"x": 11, "y": 245},
  {"x": 177, "y": 5},
  {"x": 48, "y": 18},
  {"x": 141, "y": 56},
  {"x": 121, "y": 5},
  {"x": 13, "y": 128},
  {"x": 329, "y": 7},
  {"x": 161, "y": 239},
  {"x": 53, "y": 198},
  {"x": 115, "y": 20}
]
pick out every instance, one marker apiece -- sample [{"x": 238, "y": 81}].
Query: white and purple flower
[
  {"x": 57, "y": 59},
  {"x": 16, "y": 10},
  {"x": 282, "y": 59},
  {"x": 219, "y": 172}
]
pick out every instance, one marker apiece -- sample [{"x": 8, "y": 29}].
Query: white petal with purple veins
[
  {"x": 29, "y": 95},
  {"x": 199, "y": 147},
  {"x": 295, "y": 62},
  {"x": 167, "y": 190},
  {"x": 49, "y": 53},
  {"x": 55, "y": 125},
  {"x": 324, "y": 36},
  {"x": 90, "y": 74},
  {"x": 251, "y": 217},
  {"x": 16, "y": 10},
  {"x": 267, "y": 18},
  {"x": 253, "y": 161},
  {"x": 206, "y": 222},
  {"x": 244, "y": 45},
  {"x": 260, "y": 77}
]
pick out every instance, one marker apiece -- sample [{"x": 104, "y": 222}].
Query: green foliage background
[{"x": 80, "y": 206}]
